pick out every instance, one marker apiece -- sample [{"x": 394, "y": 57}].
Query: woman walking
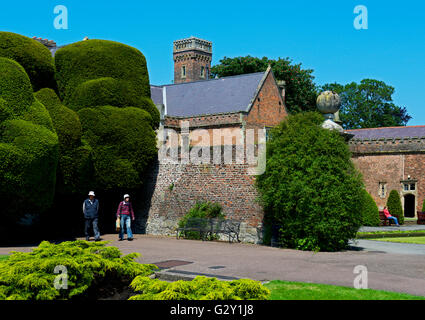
[{"x": 126, "y": 214}]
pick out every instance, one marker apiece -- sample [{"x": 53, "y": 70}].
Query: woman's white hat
[
  {"x": 91, "y": 193},
  {"x": 126, "y": 196}
]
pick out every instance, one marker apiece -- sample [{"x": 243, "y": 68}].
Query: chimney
[{"x": 48, "y": 43}]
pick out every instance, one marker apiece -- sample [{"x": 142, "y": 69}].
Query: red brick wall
[{"x": 193, "y": 60}]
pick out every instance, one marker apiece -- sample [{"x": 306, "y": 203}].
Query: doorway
[{"x": 409, "y": 206}]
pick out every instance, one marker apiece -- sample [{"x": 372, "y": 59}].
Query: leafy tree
[
  {"x": 369, "y": 210},
  {"x": 394, "y": 206},
  {"x": 310, "y": 188},
  {"x": 368, "y": 105},
  {"x": 301, "y": 92}
]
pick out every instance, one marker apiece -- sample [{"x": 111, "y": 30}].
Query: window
[
  {"x": 382, "y": 191},
  {"x": 202, "y": 72},
  {"x": 412, "y": 187},
  {"x": 406, "y": 187},
  {"x": 183, "y": 71},
  {"x": 268, "y": 129}
]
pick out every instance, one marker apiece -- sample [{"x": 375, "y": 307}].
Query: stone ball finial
[{"x": 328, "y": 102}]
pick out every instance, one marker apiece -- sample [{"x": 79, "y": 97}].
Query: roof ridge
[
  {"x": 206, "y": 80},
  {"x": 379, "y": 128}
]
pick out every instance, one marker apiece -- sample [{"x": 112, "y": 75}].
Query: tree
[
  {"x": 368, "y": 105},
  {"x": 310, "y": 188},
  {"x": 394, "y": 206},
  {"x": 301, "y": 92},
  {"x": 369, "y": 211}
]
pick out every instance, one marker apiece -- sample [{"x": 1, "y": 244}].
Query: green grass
[
  {"x": 389, "y": 233},
  {"x": 3, "y": 257},
  {"x": 286, "y": 290},
  {"x": 417, "y": 240}
]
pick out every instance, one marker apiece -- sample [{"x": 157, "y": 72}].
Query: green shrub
[
  {"x": 207, "y": 210},
  {"x": 369, "y": 210},
  {"x": 93, "y": 59},
  {"x": 123, "y": 144},
  {"x": 38, "y": 114},
  {"x": 34, "y": 57},
  {"x": 89, "y": 266},
  {"x": 423, "y": 206},
  {"x": 394, "y": 206},
  {"x": 28, "y": 159},
  {"x": 200, "y": 288},
  {"x": 310, "y": 188},
  {"x": 15, "y": 87}
]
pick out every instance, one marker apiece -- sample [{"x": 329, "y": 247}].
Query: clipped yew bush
[
  {"x": 369, "y": 210},
  {"x": 91, "y": 268},
  {"x": 34, "y": 57},
  {"x": 200, "y": 288},
  {"x": 123, "y": 144},
  {"x": 394, "y": 206},
  {"x": 310, "y": 189},
  {"x": 28, "y": 148}
]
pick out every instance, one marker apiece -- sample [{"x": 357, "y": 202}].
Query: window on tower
[
  {"x": 183, "y": 71},
  {"x": 202, "y": 72}
]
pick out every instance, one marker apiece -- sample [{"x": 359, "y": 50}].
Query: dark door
[{"x": 409, "y": 205}]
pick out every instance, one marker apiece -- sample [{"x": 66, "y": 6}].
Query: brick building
[{"x": 392, "y": 159}]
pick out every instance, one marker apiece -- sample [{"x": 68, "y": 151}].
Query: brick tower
[{"x": 192, "y": 59}]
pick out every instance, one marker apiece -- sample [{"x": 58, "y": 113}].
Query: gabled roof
[
  {"x": 389, "y": 132},
  {"x": 206, "y": 97}
]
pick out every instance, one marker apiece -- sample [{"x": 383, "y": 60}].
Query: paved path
[
  {"x": 389, "y": 247},
  {"x": 386, "y": 271}
]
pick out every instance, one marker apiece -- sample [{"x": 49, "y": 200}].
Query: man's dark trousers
[{"x": 89, "y": 223}]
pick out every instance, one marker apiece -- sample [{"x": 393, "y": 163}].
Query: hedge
[
  {"x": 33, "y": 56},
  {"x": 15, "y": 87},
  {"x": 123, "y": 144},
  {"x": 310, "y": 190},
  {"x": 93, "y": 59},
  {"x": 28, "y": 160}
]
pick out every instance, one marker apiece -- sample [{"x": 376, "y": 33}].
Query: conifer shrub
[
  {"x": 394, "y": 206},
  {"x": 369, "y": 210},
  {"x": 89, "y": 267},
  {"x": 123, "y": 144},
  {"x": 200, "y": 288},
  {"x": 310, "y": 188},
  {"x": 33, "y": 56},
  {"x": 120, "y": 68}
]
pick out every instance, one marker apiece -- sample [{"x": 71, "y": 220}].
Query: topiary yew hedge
[
  {"x": 28, "y": 147},
  {"x": 34, "y": 57},
  {"x": 310, "y": 189},
  {"x": 369, "y": 210}
]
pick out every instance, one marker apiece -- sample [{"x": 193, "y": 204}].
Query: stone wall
[{"x": 172, "y": 189}]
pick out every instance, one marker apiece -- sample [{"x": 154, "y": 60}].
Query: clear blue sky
[{"x": 319, "y": 34}]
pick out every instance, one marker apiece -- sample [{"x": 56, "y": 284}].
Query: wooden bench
[
  {"x": 384, "y": 221},
  {"x": 421, "y": 217},
  {"x": 211, "y": 227}
]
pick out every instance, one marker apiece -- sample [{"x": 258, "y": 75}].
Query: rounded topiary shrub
[
  {"x": 93, "y": 59},
  {"x": 15, "y": 88},
  {"x": 34, "y": 57},
  {"x": 123, "y": 144},
  {"x": 369, "y": 210},
  {"x": 310, "y": 189},
  {"x": 394, "y": 206}
]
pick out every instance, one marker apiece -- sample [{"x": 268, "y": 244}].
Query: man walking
[
  {"x": 91, "y": 214},
  {"x": 125, "y": 210}
]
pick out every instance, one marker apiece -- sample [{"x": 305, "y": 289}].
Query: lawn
[
  {"x": 286, "y": 290},
  {"x": 417, "y": 240},
  {"x": 3, "y": 257}
]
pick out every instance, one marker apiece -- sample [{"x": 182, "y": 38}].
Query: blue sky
[{"x": 319, "y": 34}]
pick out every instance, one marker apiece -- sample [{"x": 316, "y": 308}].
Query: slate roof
[
  {"x": 205, "y": 97},
  {"x": 389, "y": 132}
]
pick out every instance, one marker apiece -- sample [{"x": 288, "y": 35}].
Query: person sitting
[{"x": 390, "y": 217}]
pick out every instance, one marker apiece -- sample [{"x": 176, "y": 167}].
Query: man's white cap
[
  {"x": 91, "y": 193},
  {"x": 126, "y": 196}
]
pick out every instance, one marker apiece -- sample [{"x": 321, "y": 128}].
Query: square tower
[{"x": 192, "y": 59}]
